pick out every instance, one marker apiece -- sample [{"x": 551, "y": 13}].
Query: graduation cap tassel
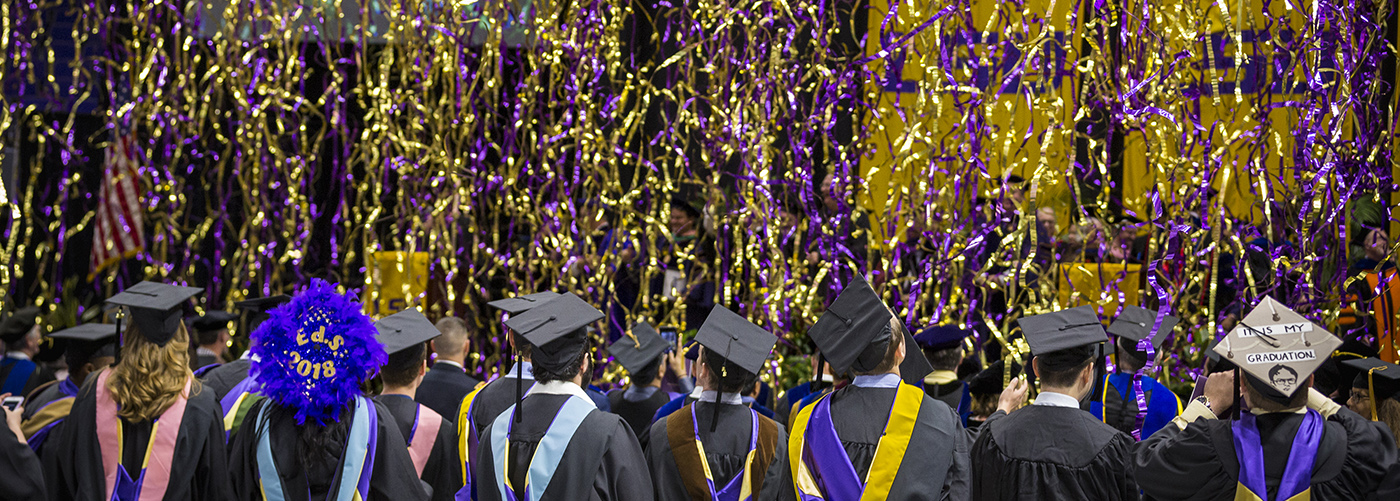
[
  {"x": 1238, "y": 406},
  {"x": 817, "y": 376},
  {"x": 519, "y": 384},
  {"x": 118, "y": 358}
]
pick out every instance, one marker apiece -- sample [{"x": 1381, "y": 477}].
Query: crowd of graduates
[{"x": 330, "y": 404}]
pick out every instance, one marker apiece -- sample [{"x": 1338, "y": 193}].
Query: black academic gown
[
  {"x": 1200, "y": 462},
  {"x": 45, "y": 396},
  {"x": 726, "y": 450},
  {"x": 393, "y": 477},
  {"x": 443, "y": 388},
  {"x": 494, "y": 398},
  {"x": 73, "y": 459},
  {"x": 220, "y": 380},
  {"x": 601, "y": 462},
  {"x": 23, "y": 477},
  {"x": 1044, "y": 452},
  {"x": 860, "y": 415},
  {"x": 637, "y": 414},
  {"x": 441, "y": 472},
  {"x": 948, "y": 393},
  {"x": 203, "y": 360},
  {"x": 37, "y": 377}
]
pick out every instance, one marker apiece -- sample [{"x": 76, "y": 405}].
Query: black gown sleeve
[
  {"x": 211, "y": 466},
  {"x": 957, "y": 485},
  {"x": 777, "y": 480},
  {"x": 243, "y": 459},
  {"x": 1370, "y": 454},
  {"x": 484, "y": 470},
  {"x": 1180, "y": 464},
  {"x": 624, "y": 475},
  {"x": 20, "y": 468},
  {"x": 394, "y": 477},
  {"x": 441, "y": 471},
  {"x": 1118, "y": 457}
]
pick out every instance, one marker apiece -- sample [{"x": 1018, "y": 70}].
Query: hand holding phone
[
  {"x": 12, "y": 403},
  {"x": 12, "y": 414}
]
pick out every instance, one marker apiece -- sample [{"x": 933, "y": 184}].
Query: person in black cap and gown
[
  {"x": 222, "y": 379},
  {"x": 1375, "y": 392},
  {"x": 878, "y": 434},
  {"x": 89, "y": 348},
  {"x": 447, "y": 382},
  {"x": 555, "y": 442},
  {"x": 19, "y": 374},
  {"x": 717, "y": 448},
  {"x": 644, "y": 358},
  {"x": 1117, "y": 403},
  {"x": 1291, "y": 443},
  {"x": 212, "y": 331},
  {"x": 431, "y": 439},
  {"x": 144, "y": 429},
  {"x": 1052, "y": 449}
]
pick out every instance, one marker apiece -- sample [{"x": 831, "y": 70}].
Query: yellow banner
[{"x": 396, "y": 281}]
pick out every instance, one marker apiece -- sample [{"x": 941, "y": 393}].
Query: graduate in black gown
[
  {"x": 1292, "y": 442},
  {"x": 229, "y": 382},
  {"x": 19, "y": 374},
  {"x": 943, "y": 347},
  {"x": 559, "y": 444},
  {"x": 1053, "y": 449},
  {"x": 88, "y": 349},
  {"x": 481, "y": 406},
  {"x": 1375, "y": 391},
  {"x": 1116, "y": 404},
  {"x": 19, "y": 467},
  {"x": 211, "y": 330},
  {"x": 447, "y": 381},
  {"x": 743, "y": 452},
  {"x": 110, "y": 446},
  {"x": 878, "y": 435},
  {"x": 431, "y": 439},
  {"x": 644, "y": 358},
  {"x": 315, "y": 435}
]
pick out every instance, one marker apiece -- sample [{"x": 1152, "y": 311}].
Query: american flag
[{"x": 119, "y": 234}]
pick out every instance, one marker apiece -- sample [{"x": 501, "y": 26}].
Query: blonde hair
[
  {"x": 150, "y": 376},
  {"x": 1388, "y": 412}
]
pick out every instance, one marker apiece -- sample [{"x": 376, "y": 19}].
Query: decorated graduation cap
[
  {"x": 1277, "y": 348},
  {"x": 1135, "y": 324},
  {"x": 942, "y": 337},
  {"x": 87, "y": 341},
  {"x": 636, "y": 355},
  {"x": 1380, "y": 378},
  {"x": 404, "y": 330},
  {"x": 1062, "y": 330},
  {"x": 853, "y": 333},
  {"x": 313, "y": 352},
  {"x": 520, "y": 304},
  {"x": 18, "y": 324},
  {"x": 737, "y": 340},
  {"x": 213, "y": 321},
  {"x": 155, "y": 308}
]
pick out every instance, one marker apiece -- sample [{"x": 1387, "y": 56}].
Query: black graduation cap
[
  {"x": 259, "y": 308},
  {"x": 18, "y": 324},
  {"x": 915, "y": 366},
  {"x": 1379, "y": 377},
  {"x": 849, "y": 333},
  {"x": 155, "y": 308},
  {"x": 1134, "y": 324},
  {"x": 555, "y": 328},
  {"x": 521, "y": 304},
  {"x": 1062, "y": 330},
  {"x": 637, "y": 355},
  {"x": 87, "y": 341},
  {"x": 736, "y": 339},
  {"x": 213, "y": 320},
  {"x": 404, "y": 330},
  {"x": 942, "y": 337},
  {"x": 991, "y": 381}
]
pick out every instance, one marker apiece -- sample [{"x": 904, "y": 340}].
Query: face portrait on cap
[{"x": 1284, "y": 378}]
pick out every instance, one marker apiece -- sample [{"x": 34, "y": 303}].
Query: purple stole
[
  {"x": 821, "y": 468},
  {"x": 160, "y": 453},
  {"x": 1296, "y": 484}
]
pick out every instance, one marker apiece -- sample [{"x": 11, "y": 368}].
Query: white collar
[
  {"x": 561, "y": 388},
  {"x": 527, "y": 373},
  {"x": 206, "y": 351},
  {"x": 452, "y": 363},
  {"x": 17, "y": 354},
  {"x": 248, "y": 355},
  {"x": 1052, "y": 399},
  {"x": 697, "y": 393},
  {"x": 886, "y": 380},
  {"x": 727, "y": 398}
]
